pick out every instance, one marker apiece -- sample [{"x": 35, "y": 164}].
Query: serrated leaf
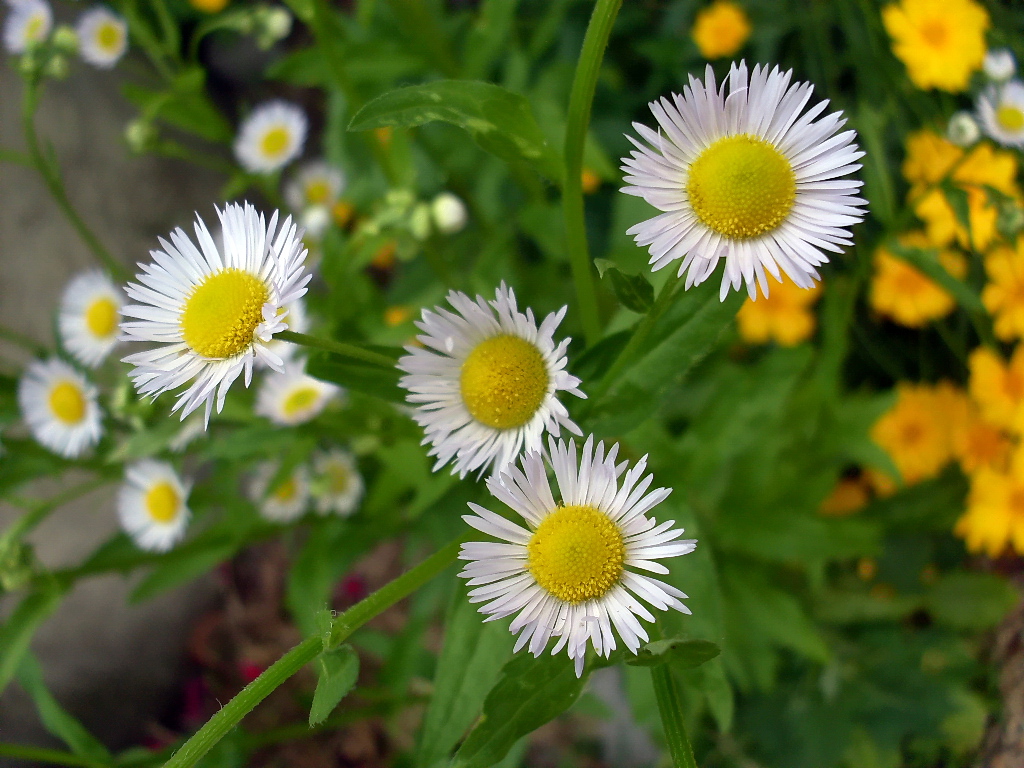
[
  {"x": 632, "y": 291},
  {"x": 337, "y": 672},
  {"x": 677, "y": 651}
]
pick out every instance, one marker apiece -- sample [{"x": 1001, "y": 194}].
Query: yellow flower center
[
  {"x": 222, "y": 314},
  {"x": 67, "y": 402},
  {"x": 504, "y": 381},
  {"x": 337, "y": 478},
  {"x": 162, "y": 502},
  {"x": 34, "y": 28},
  {"x": 108, "y": 37},
  {"x": 275, "y": 141},
  {"x": 935, "y": 32},
  {"x": 318, "y": 192},
  {"x": 286, "y": 491},
  {"x": 1009, "y": 117},
  {"x": 101, "y": 318},
  {"x": 741, "y": 187},
  {"x": 299, "y": 400},
  {"x": 576, "y": 554}
]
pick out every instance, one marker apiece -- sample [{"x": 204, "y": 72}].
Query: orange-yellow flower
[
  {"x": 1004, "y": 294},
  {"x": 998, "y": 387},
  {"x": 915, "y": 433},
  {"x": 929, "y": 158},
  {"x": 906, "y": 295},
  {"x": 784, "y": 316},
  {"x": 975, "y": 442},
  {"x": 849, "y": 495},
  {"x": 941, "y": 42},
  {"x": 721, "y": 29},
  {"x": 995, "y": 511},
  {"x": 209, "y": 6}
]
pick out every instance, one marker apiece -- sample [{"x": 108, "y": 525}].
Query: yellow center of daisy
[
  {"x": 299, "y": 400},
  {"x": 67, "y": 402},
  {"x": 504, "y": 381},
  {"x": 576, "y": 554},
  {"x": 275, "y": 141},
  {"x": 223, "y": 312},
  {"x": 108, "y": 36},
  {"x": 162, "y": 502},
  {"x": 741, "y": 187},
  {"x": 101, "y": 317},
  {"x": 337, "y": 478},
  {"x": 286, "y": 491},
  {"x": 317, "y": 192},
  {"x": 1009, "y": 117},
  {"x": 34, "y": 27}
]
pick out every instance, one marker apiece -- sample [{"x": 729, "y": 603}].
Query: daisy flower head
[
  {"x": 1001, "y": 112},
  {"x": 571, "y": 572},
  {"x": 60, "y": 407},
  {"x": 485, "y": 381},
  {"x": 211, "y": 311},
  {"x": 316, "y": 183},
  {"x": 102, "y": 37},
  {"x": 90, "y": 312},
  {"x": 286, "y": 500},
  {"x": 271, "y": 137},
  {"x": 741, "y": 175},
  {"x": 337, "y": 485},
  {"x": 28, "y": 22},
  {"x": 152, "y": 505},
  {"x": 293, "y": 397}
]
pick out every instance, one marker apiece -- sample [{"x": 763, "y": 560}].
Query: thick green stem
[
  {"x": 341, "y": 628},
  {"x": 338, "y": 348},
  {"x": 41, "y": 755},
  {"x": 672, "y": 717},
  {"x": 580, "y": 100}
]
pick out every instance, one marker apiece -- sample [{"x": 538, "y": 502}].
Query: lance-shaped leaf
[{"x": 337, "y": 672}]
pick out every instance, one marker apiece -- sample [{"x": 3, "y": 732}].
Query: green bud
[
  {"x": 140, "y": 135},
  {"x": 419, "y": 222},
  {"x": 65, "y": 40},
  {"x": 57, "y": 67}
]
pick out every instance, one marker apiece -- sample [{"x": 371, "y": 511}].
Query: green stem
[
  {"x": 15, "y": 157},
  {"x": 672, "y": 717},
  {"x": 38, "y": 510},
  {"x": 41, "y": 755},
  {"x": 338, "y": 348},
  {"x": 580, "y": 99},
  {"x": 232, "y": 713},
  {"x": 23, "y": 341}
]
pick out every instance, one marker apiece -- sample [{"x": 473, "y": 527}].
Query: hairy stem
[{"x": 672, "y": 717}]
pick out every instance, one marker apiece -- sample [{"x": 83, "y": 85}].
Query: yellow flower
[
  {"x": 941, "y": 42},
  {"x": 784, "y": 315},
  {"x": 849, "y": 495},
  {"x": 998, "y": 388},
  {"x": 880, "y": 482},
  {"x": 915, "y": 432},
  {"x": 209, "y": 6},
  {"x": 995, "y": 511},
  {"x": 906, "y": 295},
  {"x": 929, "y": 158},
  {"x": 1004, "y": 294},
  {"x": 975, "y": 442},
  {"x": 721, "y": 29}
]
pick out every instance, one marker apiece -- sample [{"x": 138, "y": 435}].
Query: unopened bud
[
  {"x": 315, "y": 220},
  {"x": 272, "y": 25},
  {"x": 57, "y": 67},
  {"x": 449, "y": 213},
  {"x": 963, "y": 129},
  {"x": 140, "y": 135},
  {"x": 999, "y": 65},
  {"x": 65, "y": 40},
  {"x": 419, "y": 221}
]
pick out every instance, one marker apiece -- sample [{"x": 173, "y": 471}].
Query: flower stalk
[
  {"x": 338, "y": 348},
  {"x": 672, "y": 717}
]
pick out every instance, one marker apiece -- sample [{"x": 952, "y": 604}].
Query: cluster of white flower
[
  {"x": 100, "y": 35},
  {"x": 999, "y": 110}
]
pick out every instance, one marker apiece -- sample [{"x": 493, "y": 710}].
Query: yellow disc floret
[
  {"x": 108, "y": 37},
  {"x": 162, "y": 502},
  {"x": 222, "y": 314},
  {"x": 577, "y": 554},
  {"x": 504, "y": 381},
  {"x": 741, "y": 187},
  {"x": 101, "y": 317},
  {"x": 286, "y": 491},
  {"x": 275, "y": 141},
  {"x": 318, "y": 192},
  {"x": 1010, "y": 118},
  {"x": 338, "y": 477},
  {"x": 299, "y": 400},
  {"x": 67, "y": 402}
]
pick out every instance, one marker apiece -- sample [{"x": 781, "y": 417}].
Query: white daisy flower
[
  {"x": 59, "y": 405},
  {"x": 293, "y": 397},
  {"x": 28, "y": 22},
  {"x": 485, "y": 386},
  {"x": 745, "y": 177},
  {"x": 271, "y": 137},
  {"x": 999, "y": 64},
  {"x": 90, "y": 312},
  {"x": 298, "y": 321},
  {"x": 1001, "y": 112},
  {"x": 571, "y": 573},
  {"x": 287, "y": 500},
  {"x": 337, "y": 485},
  {"x": 151, "y": 505},
  {"x": 212, "y": 312},
  {"x": 102, "y": 37},
  {"x": 316, "y": 183}
]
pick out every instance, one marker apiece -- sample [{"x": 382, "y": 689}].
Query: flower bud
[
  {"x": 57, "y": 67},
  {"x": 65, "y": 40},
  {"x": 316, "y": 219},
  {"x": 419, "y": 221},
  {"x": 449, "y": 213},
  {"x": 140, "y": 135},
  {"x": 963, "y": 129},
  {"x": 272, "y": 24},
  {"x": 999, "y": 65}
]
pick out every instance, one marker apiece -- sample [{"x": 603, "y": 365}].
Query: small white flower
[
  {"x": 27, "y": 23},
  {"x": 963, "y": 129},
  {"x": 212, "y": 313},
  {"x": 1001, "y": 111},
  {"x": 486, "y": 383},
  {"x": 293, "y": 397},
  {"x": 337, "y": 484},
  {"x": 90, "y": 312},
  {"x": 449, "y": 213},
  {"x": 271, "y": 137},
  {"x": 745, "y": 177},
  {"x": 999, "y": 65},
  {"x": 151, "y": 505},
  {"x": 572, "y": 573},
  {"x": 59, "y": 405},
  {"x": 102, "y": 37},
  {"x": 287, "y": 500},
  {"x": 317, "y": 182}
]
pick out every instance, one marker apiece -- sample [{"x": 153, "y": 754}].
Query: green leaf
[
  {"x": 337, "y": 672},
  {"x": 185, "y": 563},
  {"x": 368, "y": 379},
  {"x": 500, "y": 121},
  {"x": 960, "y": 203},
  {"x": 531, "y": 692},
  {"x": 971, "y": 601},
  {"x": 472, "y": 657},
  {"x": 56, "y": 719},
  {"x": 632, "y": 291},
  {"x": 927, "y": 261},
  {"x": 18, "y": 629},
  {"x": 184, "y": 105},
  {"x": 677, "y": 651}
]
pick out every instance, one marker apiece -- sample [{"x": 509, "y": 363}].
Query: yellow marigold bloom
[
  {"x": 784, "y": 315},
  {"x": 941, "y": 42},
  {"x": 975, "y": 442},
  {"x": 209, "y": 6},
  {"x": 1004, "y": 294},
  {"x": 995, "y": 512},
  {"x": 998, "y": 387},
  {"x": 849, "y": 495},
  {"x": 880, "y": 482},
  {"x": 906, "y": 295},
  {"x": 929, "y": 158},
  {"x": 721, "y": 29},
  {"x": 915, "y": 432}
]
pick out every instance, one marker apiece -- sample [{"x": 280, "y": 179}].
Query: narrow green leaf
[
  {"x": 337, "y": 672},
  {"x": 16, "y": 632},
  {"x": 926, "y": 260},
  {"x": 677, "y": 651},
  {"x": 368, "y": 379},
  {"x": 960, "y": 204},
  {"x": 634, "y": 292},
  {"x": 185, "y": 563}
]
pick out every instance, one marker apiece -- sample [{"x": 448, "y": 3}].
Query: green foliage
[
  {"x": 337, "y": 671},
  {"x": 677, "y": 652}
]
